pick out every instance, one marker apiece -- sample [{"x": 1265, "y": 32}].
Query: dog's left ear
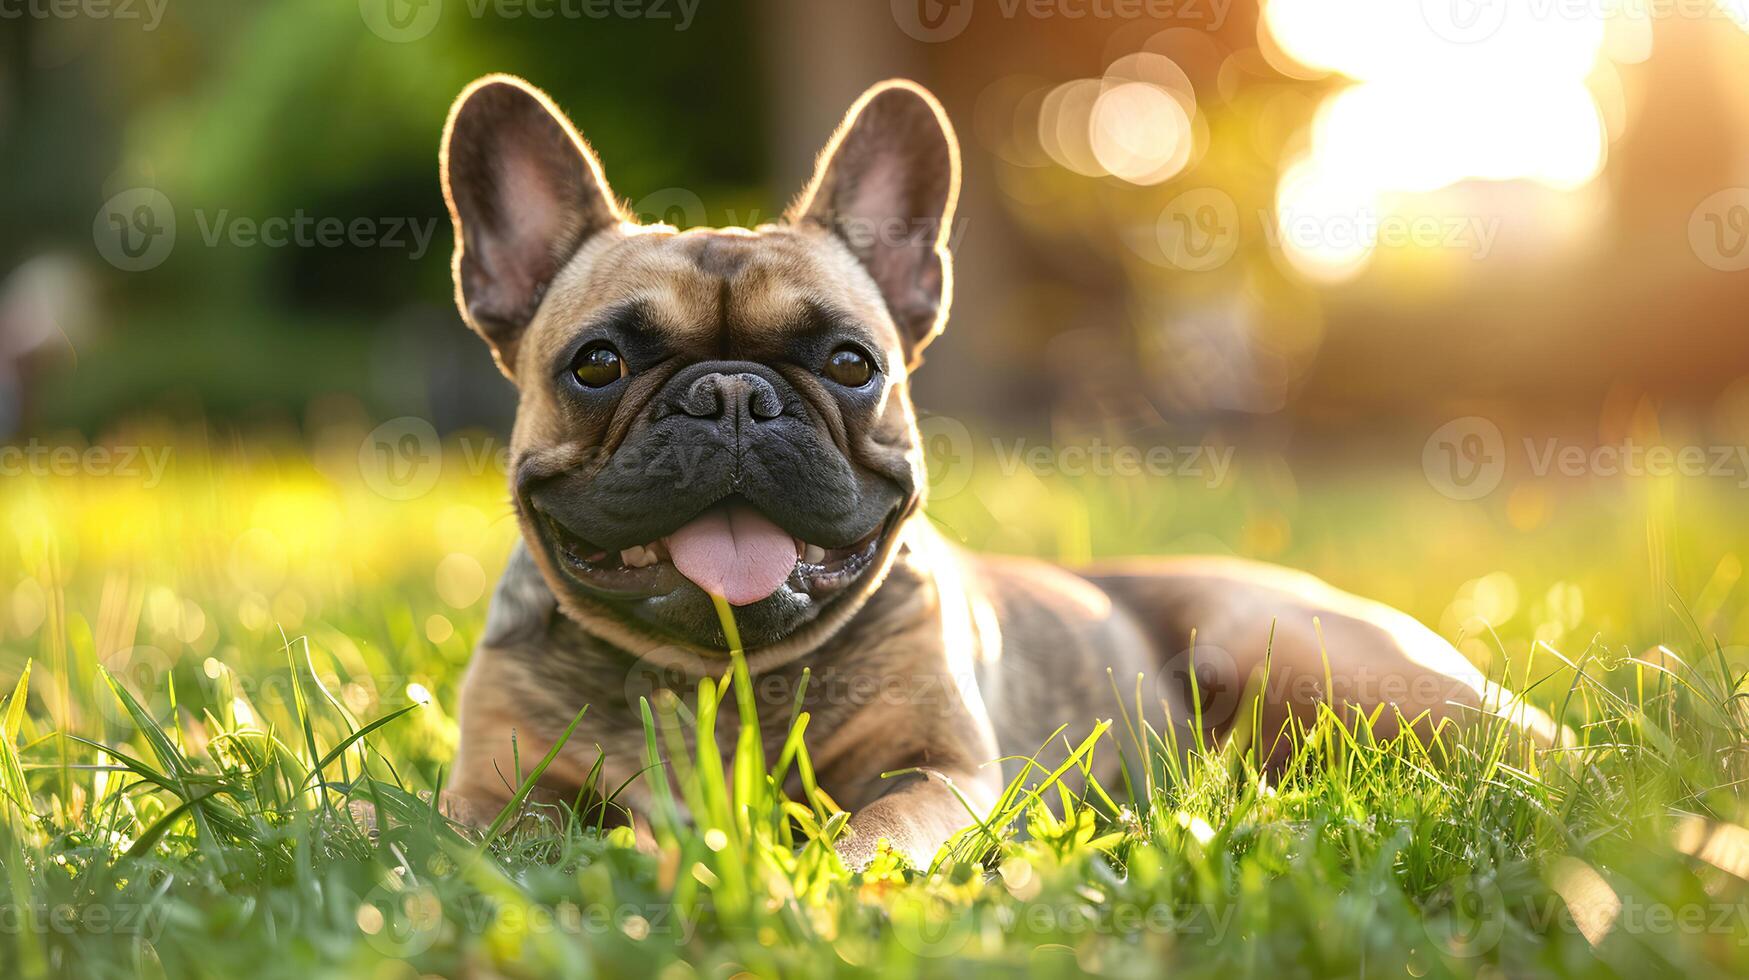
[
  {"x": 886, "y": 186},
  {"x": 524, "y": 192}
]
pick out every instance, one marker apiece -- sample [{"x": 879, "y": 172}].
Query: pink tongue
[{"x": 733, "y": 552}]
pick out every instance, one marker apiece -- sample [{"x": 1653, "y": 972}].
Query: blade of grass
[
  {"x": 356, "y": 736},
  {"x": 511, "y": 808}
]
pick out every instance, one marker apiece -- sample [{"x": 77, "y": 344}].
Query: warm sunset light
[
  {"x": 1065, "y": 126},
  {"x": 1140, "y": 133},
  {"x": 1439, "y": 97},
  {"x": 1137, "y": 123},
  {"x": 1737, "y": 10},
  {"x": 920, "y": 488}
]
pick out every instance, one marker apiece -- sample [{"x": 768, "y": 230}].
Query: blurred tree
[{"x": 298, "y": 111}]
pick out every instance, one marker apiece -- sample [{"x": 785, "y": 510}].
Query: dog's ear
[
  {"x": 886, "y": 185},
  {"x": 524, "y": 192}
]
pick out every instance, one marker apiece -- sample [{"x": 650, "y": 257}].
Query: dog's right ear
[{"x": 524, "y": 192}]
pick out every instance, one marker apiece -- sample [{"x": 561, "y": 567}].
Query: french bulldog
[{"x": 727, "y": 412}]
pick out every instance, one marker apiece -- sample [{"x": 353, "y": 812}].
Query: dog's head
[{"x": 710, "y": 411}]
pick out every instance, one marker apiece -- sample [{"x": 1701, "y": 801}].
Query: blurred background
[
  {"x": 1312, "y": 217},
  {"x": 1381, "y": 278},
  {"x": 1308, "y": 220}
]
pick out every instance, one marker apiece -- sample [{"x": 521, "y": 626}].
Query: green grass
[{"x": 218, "y": 665}]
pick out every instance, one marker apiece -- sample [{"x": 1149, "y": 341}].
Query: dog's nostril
[
  {"x": 762, "y": 400},
  {"x": 713, "y": 395},
  {"x": 703, "y": 398}
]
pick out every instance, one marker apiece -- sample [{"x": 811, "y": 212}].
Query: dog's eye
[
  {"x": 849, "y": 367},
  {"x": 598, "y": 366}
]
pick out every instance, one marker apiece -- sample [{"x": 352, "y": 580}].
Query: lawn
[{"x": 220, "y": 657}]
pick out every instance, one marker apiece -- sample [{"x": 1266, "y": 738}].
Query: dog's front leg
[{"x": 917, "y": 815}]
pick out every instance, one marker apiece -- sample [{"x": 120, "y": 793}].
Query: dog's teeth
[
  {"x": 801, "y": 548},
  {"x": 637, "y": 556},
  {"x": 814, "y": 554}
]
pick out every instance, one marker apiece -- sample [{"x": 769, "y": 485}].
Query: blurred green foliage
[{"x": 261, "y": 110}]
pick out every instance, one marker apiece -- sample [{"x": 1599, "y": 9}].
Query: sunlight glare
[
  {"x": 1435, "y": 40},
  {"x": 1140, "y": 133},
  {"x": 1439, "y": 94},
  {"x": 1137, "y": 123},
  {"x": 1421, "y": 141},
  {"x": 1065, "y": 126},
  {"x": 1326, "y": 219},
  {"x": 1737, "y": 10}
]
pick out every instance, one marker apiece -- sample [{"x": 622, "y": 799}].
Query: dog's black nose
[{"x": 741, "y": 395}]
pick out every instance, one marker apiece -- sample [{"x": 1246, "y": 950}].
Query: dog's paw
[
  {"x": 856, "y": 853},
  {"x": 870, "y": 855}
]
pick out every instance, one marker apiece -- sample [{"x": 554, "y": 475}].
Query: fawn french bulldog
[{"x": 727, "y": 412}]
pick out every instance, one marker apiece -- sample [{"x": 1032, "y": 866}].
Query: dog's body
[
  {"x": 960, "y": 661},
  {"x": 705, "y": 403}
]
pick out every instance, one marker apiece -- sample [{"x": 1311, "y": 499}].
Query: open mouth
[{"x": 729, "y": 550}]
